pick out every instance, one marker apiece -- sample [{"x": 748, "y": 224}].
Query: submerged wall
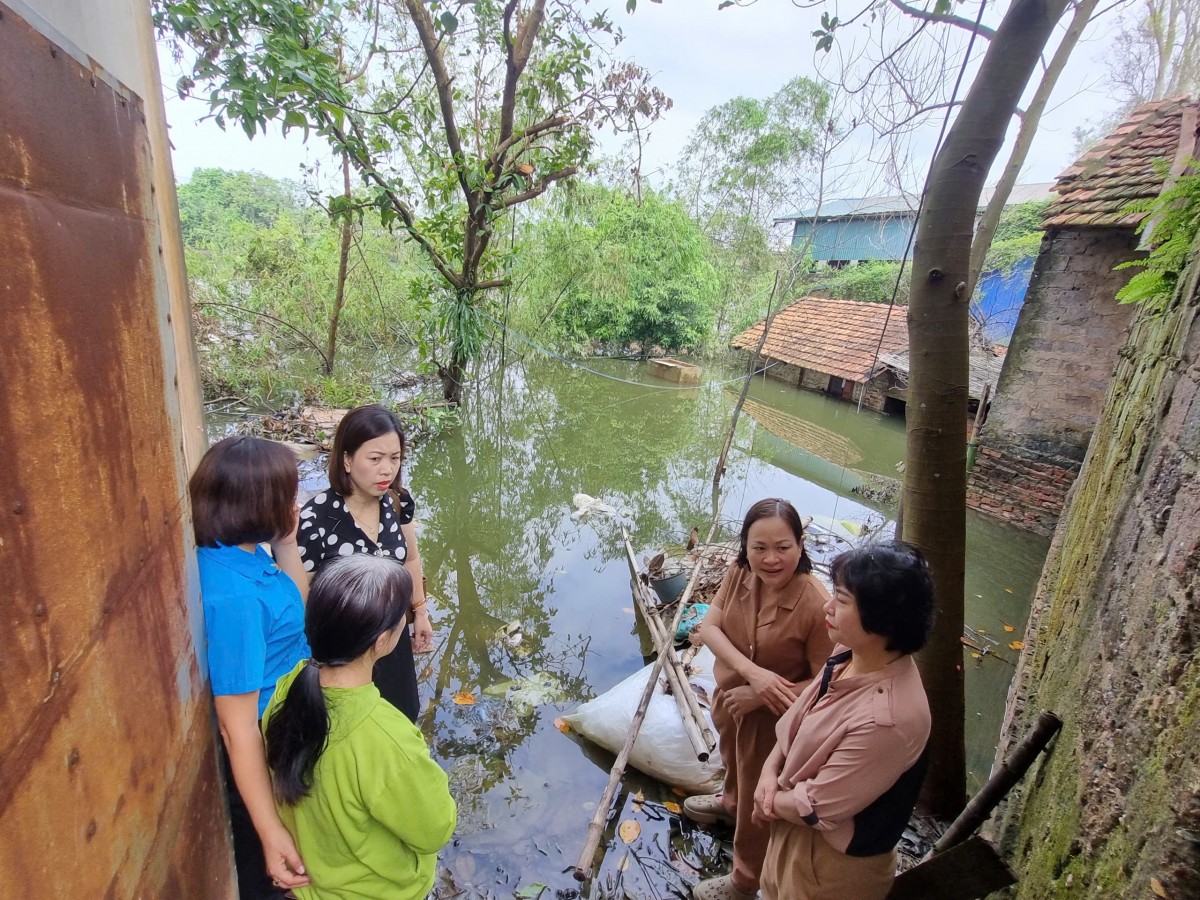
[
  {"x": 1113, "y": 810},
  {"x": 108, "y": 768},
  {"x": 1054, "y": 378}
]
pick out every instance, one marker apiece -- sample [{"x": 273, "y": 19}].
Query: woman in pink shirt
[{"x": 843, "y": 779}]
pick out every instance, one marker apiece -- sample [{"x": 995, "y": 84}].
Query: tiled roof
[
  {"x": 1121, "y": 168},
  {"x": 838, "y": 337}
]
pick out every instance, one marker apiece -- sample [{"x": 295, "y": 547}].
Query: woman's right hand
[
  {"x": 774, "y": 690},
  {"x": 284, "y": 864}
]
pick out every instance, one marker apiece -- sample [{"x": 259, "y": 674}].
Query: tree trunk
[
  {"x": 1029, "y": 126},
  {"x": 935, "y": 482},
  {"x": 343, "y": 265}
]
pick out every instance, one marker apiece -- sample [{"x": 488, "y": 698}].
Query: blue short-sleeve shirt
[{"x": 253, "y": 621}]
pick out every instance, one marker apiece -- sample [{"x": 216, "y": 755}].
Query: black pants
[
  {"x": 396, "y": 677},
  {"x": 253, "y": 881}
]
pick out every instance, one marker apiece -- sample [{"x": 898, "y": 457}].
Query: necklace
[{"x": 367, "y": 520}]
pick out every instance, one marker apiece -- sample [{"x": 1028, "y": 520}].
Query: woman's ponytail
[{"x": 296, "y": 735}]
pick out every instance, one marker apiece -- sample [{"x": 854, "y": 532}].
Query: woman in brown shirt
[
  {"x": 766, "y": 627},
  {"x": 840, "y": 787}
]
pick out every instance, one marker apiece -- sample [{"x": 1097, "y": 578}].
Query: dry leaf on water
[
  {"x": 465, "y": 698},
  {"x": 1009, "y": 628},
  {"x": 976, "y": 656},
  {"x": 561, "y": 724},
  {"x": 629, "y": 831},
  {"x": 1016, "y": 645},
  {"x": 1008, "y": 590},
  {"x": 672, "y": 807}
]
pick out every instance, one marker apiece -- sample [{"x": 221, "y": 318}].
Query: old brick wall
[{"x": 1055, "y": 375}]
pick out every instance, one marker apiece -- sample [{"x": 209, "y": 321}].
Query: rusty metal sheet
[{"x": 108, "y": 784}]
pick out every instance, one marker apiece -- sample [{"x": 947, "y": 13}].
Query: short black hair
[
  {"x": 893, "y": 588},
  {"x": 244, "y": 491}
]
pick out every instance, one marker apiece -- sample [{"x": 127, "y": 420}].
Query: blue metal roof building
[{"x": 872, "y": 228}]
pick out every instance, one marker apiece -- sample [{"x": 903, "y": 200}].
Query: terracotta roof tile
[
  {"x": 1120, "y": 168},
  {"x": 838, "y": 337}
]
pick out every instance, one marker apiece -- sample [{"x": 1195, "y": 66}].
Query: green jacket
[{"x": 380, "y": 807}]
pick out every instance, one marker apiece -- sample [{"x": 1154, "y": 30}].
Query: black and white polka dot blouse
[{"x": 328, "y": 530}]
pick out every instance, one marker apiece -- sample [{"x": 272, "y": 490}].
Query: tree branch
[
  {"x": 538, "y": 189},
  {"x": 444, "y": 84},
  {"x": 517, "y": 53},
  {"x": 958, "y": 22},
  {"x": 495, "y": 162},
  {"x": 367, "y": 168}
]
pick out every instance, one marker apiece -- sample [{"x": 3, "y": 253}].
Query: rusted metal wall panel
[{"x": 108, "y": 783}]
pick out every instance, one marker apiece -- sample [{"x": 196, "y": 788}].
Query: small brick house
[
  {"x": 1071, "y": 328},
  {"x": 843, "y": 347},
  {"x": 831, "y": 346}
]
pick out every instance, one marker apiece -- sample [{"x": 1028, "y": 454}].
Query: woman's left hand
[
  {"x": 742, "y": 700},
  {"x": 422, "y": 632}
]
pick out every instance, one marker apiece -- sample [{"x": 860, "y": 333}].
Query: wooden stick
[
  {"x": 689, "y": 712},
  {"x": 1010, "y": 771},
  {"x": 596, "y": 828},
  {"x": 666, "y": 655}
]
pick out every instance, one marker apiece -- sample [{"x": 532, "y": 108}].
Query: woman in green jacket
[{"x": 354, "y": 781}]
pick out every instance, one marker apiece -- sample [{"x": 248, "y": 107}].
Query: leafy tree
[
  {"x": 746, "y": 160},
  {"x": 748, "y": 157},
  {"x": 264, "y": 268},
  {"x": 606, "y": 268},
  {"x": 496, "y": 103},
  {"x": 214, "y": 202}
]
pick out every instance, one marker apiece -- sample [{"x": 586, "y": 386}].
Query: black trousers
[
  {"x": 253, "y": 881},
  {"x": 396, "y": 677}
]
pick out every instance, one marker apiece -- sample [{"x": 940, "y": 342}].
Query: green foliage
[
  {"x": 746, "y": 157},
  {"x": 452, "y": 117},
  {"x": 609, "y": 269},
  {"x": 870, "y": 282},
  {"x": 262, "y": 265},
  {"x": 1020, "y": 220},
  {"x": 1173, "y": 222}
]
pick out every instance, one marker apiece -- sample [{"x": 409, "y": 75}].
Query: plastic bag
[{"x": 662, "y": 749}]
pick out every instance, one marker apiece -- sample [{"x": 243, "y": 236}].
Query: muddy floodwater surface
[{"x": 533, "y": 612}]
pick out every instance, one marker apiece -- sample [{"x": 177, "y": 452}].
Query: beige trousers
[{"x": 801, "y": 865}]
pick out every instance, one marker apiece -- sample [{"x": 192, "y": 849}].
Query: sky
[{"x": 700, "y": 57}]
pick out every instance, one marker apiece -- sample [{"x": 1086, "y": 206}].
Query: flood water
[{"x": 522, "y": 592}]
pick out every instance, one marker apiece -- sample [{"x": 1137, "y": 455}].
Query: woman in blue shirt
[{"x": 243, "y": 495}]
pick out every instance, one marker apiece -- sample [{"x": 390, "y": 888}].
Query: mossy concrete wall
[{"x": 1112, "y": 810}]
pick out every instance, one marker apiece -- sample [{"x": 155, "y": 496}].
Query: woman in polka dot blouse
[{"x": 366, "y": 511}]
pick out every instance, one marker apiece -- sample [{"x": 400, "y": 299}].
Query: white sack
[{"x": 662, "y": 749}]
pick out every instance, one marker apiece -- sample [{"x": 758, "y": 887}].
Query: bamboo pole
[
  {"x": 666, "y": 655},
  {"x": 596, "y": 828},
  {"x": 1010, "y": 771}
]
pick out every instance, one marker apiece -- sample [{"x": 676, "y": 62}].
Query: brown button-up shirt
[
  {"x": 786, "y": 635},
  {"x": 854, "y": 753}
]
